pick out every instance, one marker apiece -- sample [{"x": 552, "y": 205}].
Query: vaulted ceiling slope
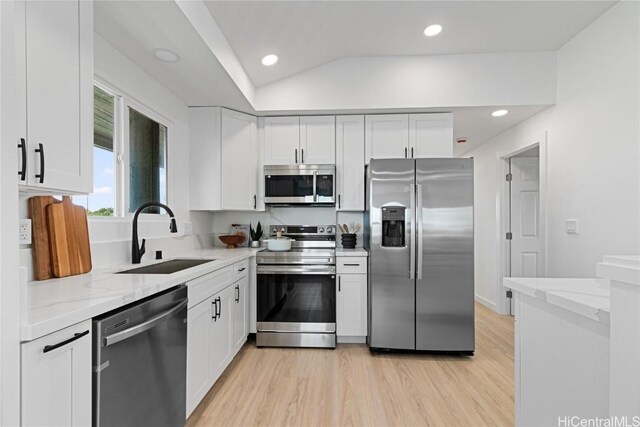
[{"x": 306, "y": 34}]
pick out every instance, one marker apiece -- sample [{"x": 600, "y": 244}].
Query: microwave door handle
[{"x": 315, "y": 183}]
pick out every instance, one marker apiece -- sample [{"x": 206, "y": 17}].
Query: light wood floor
[{"x": 349, "y": 386}]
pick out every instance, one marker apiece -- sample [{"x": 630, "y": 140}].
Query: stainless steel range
[{"x": 296, "y": 295}]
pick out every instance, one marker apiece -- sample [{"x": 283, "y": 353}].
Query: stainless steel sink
[{"x": 167, "y": 267}]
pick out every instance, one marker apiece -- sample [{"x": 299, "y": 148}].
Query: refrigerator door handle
[
  {"x": 420, "y": 228},
  {"x": 412, "y": 233}
]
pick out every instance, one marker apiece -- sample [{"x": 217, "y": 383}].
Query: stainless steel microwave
[{"x": 313, "y": 185}]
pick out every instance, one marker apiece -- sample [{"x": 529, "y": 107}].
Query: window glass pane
[
  {"x": 101, "y": 202},
  {"x": 147, "y": 161}
]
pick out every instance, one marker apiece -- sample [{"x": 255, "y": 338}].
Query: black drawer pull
[
  {"x": 215, "y": 310},
  {"x": 238, "y": 294},
  {"x": 48, "y": 348},
  {"x": 352, "y": 265},
  {"x": 255, "y": 201},
  {"x": 40, "y": 176},
  {"x": 339, "y": 283},
  {"x": 242, "y": 269},
  {"x": 218, "y": 307},
  {"x": 23, "y": 152}
]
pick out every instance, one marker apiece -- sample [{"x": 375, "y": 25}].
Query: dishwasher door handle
[{"x": 145, "y": 326}]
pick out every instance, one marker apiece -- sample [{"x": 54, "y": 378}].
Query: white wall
[
  {"x": 435, "y": 81},
  {"x": 593, "y": 155}
]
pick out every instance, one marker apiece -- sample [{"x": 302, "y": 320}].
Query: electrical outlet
[
  {"x": 572, "y": 226},
  {"x": 186, "y": 228},
  {"x": 25, "y": 232}
]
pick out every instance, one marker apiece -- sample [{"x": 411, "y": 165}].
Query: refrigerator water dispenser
[{"x": 393, "y": 226}]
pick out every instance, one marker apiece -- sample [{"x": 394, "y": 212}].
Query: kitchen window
[{"x": 130, "y": 144}]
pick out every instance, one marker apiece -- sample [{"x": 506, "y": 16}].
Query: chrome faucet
[{"x": 137, "y": 252}]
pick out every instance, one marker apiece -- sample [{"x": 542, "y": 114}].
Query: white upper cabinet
[
  {"x": 54, "y": 42},
  {"x": 350, "y": 163},
  {"x": 239, "y": 161},
  {"x": 431, "y": 135},
  {"x": 299, "y": 140},
  {"x": 409, "y": 136},
  {"x": 224, "y": 160},
  {"x": 281, "y": 140},
  {"x": 317, "y": 140},
  {"x": 386, "y": 136}
]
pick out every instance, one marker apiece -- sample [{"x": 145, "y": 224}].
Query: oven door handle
[{"x": 290, "y": 269}]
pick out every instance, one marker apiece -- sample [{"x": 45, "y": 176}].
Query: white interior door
[{"x": 525, "y": 217}]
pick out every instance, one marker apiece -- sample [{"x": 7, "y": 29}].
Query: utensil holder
[{"x": 349, "y": 240}]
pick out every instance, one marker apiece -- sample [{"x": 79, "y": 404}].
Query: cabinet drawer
[
  {"x": 203, "y": 287},
  {"x": 351, "y": 265},
  {"x": 241, "y": 269}
]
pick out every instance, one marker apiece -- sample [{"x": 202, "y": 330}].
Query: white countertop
[
  {"x": 625, "y": 269},
  {"x": 51, "y": 305},
  {"x": 587, "y": 297},
  {"x": 351, "y": 252}
]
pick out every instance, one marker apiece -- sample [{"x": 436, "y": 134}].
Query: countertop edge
[{"x": 100, "y": 305}]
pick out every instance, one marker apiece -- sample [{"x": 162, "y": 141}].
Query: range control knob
[
  {"x": 283, "y": 229},
  {"x": 320, "y": 229},
  {"x": 274, "y": 230},
  {"x": 330, "y": 229}
]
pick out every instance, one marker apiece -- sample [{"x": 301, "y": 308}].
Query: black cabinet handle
[
  {"x": 237, "y": 294},
  {"x": 255, "y": 202},
  {"x": 296, "y": 155},
  {"x": 48, "y": 348},
  {"x": 215, "y": 310},
  {"x": 23, "y": 152},
  {"x": 405, "y": 152},
  {"x": 302, "y": 155},
  {"x": 339, "y": 283},
  {"x": 242, "y": 269},
  {"x": 40, "y": 150},
  {"x": 338, "y": 201},
  {"x": 352, "y": 265},
  {"x": 412, "y": 152},
  {"x": 218, "y": 307}
]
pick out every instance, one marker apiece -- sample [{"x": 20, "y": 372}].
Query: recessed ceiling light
[
  {"x": 269, "y": 60},
  {"x": 500, "y": 113},
  {"x": 166, "y": 55},
  {"x": 433, "y": 30}
]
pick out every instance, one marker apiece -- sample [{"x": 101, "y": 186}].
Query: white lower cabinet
[
  {"x": 240, "y": 313},
  {"x": 56, "y": 378},
  {"x": 351, "y": 299},
  {"x": 217, "y": 327}
]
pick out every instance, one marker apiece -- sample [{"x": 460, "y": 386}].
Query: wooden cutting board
[
  {"x": 68, "y": 239},
  {"x": 40, "y": 236}
]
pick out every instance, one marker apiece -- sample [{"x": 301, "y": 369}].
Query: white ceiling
[
  {"x": 306, "y": 34},
  {"x": 135, "y": 28}
]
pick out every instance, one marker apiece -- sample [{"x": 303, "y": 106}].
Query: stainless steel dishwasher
[{"x": 139, "y": 362}]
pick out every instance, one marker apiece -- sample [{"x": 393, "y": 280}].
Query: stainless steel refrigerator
[{"x": 419, "y": 234}]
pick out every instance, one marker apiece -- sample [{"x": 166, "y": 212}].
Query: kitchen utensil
[
  {"x": 66, "y": 221},
  {"x": 356, "y": 228},
  {"x": 346, "y": 228},
  {"x": 341, "y": 228},
  {"x": 232, "y": 240},
  {"x": 40, "y": 236},
  {"x": 279, "y": 243}
]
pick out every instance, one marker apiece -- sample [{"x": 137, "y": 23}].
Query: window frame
[{"x": 121, "y": 104}]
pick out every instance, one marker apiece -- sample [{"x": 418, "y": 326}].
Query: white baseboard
[
  {"x": 351, "y": 340},
  {"x": 487, "y": 303}
]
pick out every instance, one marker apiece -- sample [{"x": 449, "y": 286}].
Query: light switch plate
[
  {"x": 572, "y": 226},
  {"x": 24, "y": 236}
]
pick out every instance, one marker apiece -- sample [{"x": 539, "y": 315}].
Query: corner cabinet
[
  {"x": 54, "y": 47},
  {"x": 217, "y": 320},
  {"x": 351, "y": 299},
  {"x": 224, "y": 160},
  {"x": 407, "y": 136},
  {"x": 350, "y": 163},
  {"x": 56, "y": 378},
  {"x": 299, "y": 140}
]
